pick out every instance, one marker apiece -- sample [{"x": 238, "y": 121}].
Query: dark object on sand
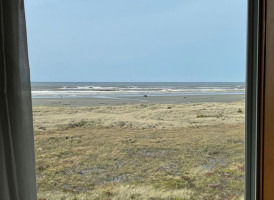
[
  {"x": 145, "y": 95},
  {"x": 169, "y": 107}
]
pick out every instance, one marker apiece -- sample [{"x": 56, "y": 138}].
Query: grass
[{"x": 85, "y": 159}]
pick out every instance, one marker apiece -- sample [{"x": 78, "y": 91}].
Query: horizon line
[{"x": 138, "y": 81}]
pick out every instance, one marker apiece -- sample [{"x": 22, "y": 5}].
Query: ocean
[{"x": 122, "y": 89}]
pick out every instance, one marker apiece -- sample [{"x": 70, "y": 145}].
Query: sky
[{"x": 137, "y": 40}]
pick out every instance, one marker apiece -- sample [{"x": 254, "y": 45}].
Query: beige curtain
[{"x": 17, "y": 160}]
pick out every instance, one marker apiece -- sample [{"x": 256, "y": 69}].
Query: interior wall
[{"x": 268, "y": 103}]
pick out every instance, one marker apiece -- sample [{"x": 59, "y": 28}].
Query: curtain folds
[{"x": 17, "y": 159}]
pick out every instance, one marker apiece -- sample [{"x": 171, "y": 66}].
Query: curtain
[{"x": 17, "y": 158}]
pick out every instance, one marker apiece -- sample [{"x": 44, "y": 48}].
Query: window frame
[
  {"x": 15, "y": 8},
  {"x": 254, "y": 100}
]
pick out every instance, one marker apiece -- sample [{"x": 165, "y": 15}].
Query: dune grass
[{"x": 118, "y": 152}]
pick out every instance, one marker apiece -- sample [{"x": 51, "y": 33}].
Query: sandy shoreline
[{"x": 84, "y": 102}]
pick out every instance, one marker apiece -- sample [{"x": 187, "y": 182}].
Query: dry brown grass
[
  {"x": 140, "y": 152},
  {"x": 160, "y": 116}
]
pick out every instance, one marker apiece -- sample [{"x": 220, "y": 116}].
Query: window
[{"x": 171, "y": 140}]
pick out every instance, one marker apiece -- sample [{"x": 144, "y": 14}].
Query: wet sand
[{"x": 84, "y": 102}]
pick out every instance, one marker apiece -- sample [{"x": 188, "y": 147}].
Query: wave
[{"x": 95, "y": 91}]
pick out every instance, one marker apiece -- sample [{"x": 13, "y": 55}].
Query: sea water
[{"x": 116, "y": 89}]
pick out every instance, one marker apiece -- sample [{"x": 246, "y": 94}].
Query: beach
[
  {"x": 136, "y": 147},
  {"x": 124, "y": 100}
]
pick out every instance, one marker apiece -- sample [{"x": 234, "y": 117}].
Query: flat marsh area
[{"x": 184, "y": 151}]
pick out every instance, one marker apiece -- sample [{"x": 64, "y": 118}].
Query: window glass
[{"x": 138, "y": 99}]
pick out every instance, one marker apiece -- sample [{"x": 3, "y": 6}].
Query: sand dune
[{"x": 160, "y": 116}]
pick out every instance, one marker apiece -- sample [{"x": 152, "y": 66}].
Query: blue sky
[{"x": 137, "y": 40}]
